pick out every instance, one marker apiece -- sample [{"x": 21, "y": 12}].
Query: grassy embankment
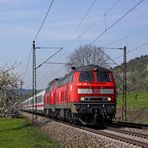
[
  {"x": 19, "y": 133},
  {"x": 137, "y": 109}
]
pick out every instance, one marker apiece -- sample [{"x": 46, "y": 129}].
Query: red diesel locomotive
[{"x": 87, "y": 94}]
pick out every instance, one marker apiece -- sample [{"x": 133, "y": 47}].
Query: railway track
[
  {"x": 129, "y": 132},
  {"x": 122, "y": 138},
  {"x": 130, "y": 137},
  {"x": 128, "y": 124},
  {"x": 122, "y": 135}
]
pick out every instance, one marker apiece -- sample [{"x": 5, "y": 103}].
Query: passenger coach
[{"x": 30, "y": 105}]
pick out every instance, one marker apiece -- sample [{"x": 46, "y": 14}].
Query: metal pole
[
  {"x": 34, "y": 68},
  {"x": 125, "y": 85},
  {"x": 122, "y": 96},
  {"x": 124, "y": 107},
  {"x": 34, "y": 100}
]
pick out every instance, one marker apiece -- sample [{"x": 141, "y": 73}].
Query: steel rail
[
  {"x": 128, "y": 132},
  {"x": 120, "y": 138},
  {"x": 129, "y": 124},
  {"x": 106, "y": 134}
]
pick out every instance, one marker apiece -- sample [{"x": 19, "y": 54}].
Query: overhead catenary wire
[
  {"x": 62, "y": 68},
  {"x": 37, "y": 36},
  {"x": 84, "y": 19},
  {"x": 128, "y": 35},
  {"x": 26, "y": 69},
  {"x": 112, "y": 24},
  {"x": 43, "y": 20},
  {"x": 107, "y": 29},
  {"x": 76, "y": 28},
  {"x": 99, "y": 19},
  {"x": 94, "y": 24},
  {"x": 49, "y": 58},
  {"x": 139, "y": 46},
  {"x": 92, "y": 4},
  {"x": 108, "y": 57}
]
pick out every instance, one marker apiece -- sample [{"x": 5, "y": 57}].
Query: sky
[{"x": 69, "y": 24}]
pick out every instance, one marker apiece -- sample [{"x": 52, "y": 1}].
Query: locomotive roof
[
  {"x": 86, "y": 68},
  {"x": 82, "y": 68},
  {"x": 90, "y": 68}
]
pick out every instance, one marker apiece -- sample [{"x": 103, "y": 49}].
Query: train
[{"x": 86, "y": 95}]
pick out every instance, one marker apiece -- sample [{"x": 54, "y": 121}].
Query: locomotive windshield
[
  {"x": 103, "y": 76},
  {"x": 86, "y": 76}
]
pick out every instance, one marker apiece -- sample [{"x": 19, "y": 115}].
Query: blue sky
[{"x": 20, "y": 20}]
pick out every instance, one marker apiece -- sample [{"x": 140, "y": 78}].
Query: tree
[
  {"x": 137, "y": 80},
  {"x": 87, "y": 55},
  {"x": 9, "y": 82}
]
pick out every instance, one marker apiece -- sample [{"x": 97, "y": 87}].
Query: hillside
[
  {"x": 137, "y": 75},
  {"x": 137, "y": 90}
]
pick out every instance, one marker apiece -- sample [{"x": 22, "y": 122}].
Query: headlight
[
  {"x": 82, "y": 99},
  {"x": 109, "y": 99}
]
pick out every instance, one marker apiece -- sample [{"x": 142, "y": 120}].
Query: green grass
[
  {"x": 137, "y": 109},
  {"x": 132, "y": 102},
  {"x": 19, "y": 133}
]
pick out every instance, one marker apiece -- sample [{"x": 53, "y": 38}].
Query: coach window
[
  {"x": 86, "y": 76},
  {"x": 103, "y": 76},
  {"x": 39, "y": 100}
]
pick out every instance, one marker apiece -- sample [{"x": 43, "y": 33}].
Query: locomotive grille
[{"x": 96, "y": 99}]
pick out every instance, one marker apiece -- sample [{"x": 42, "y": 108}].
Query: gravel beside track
[{"x": 72, "y": 137}]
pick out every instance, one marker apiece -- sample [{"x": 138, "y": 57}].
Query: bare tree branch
[{"x": 87, "y": 55}]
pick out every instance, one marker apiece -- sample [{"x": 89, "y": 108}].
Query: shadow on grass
[
  {"x": 40, "y": 145},
  {"x": 16, "y": 128}
]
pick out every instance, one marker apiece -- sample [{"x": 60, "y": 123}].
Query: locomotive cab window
[
  {"x": 86, "y": 76},
  {"x": 103, "y": 76}
]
